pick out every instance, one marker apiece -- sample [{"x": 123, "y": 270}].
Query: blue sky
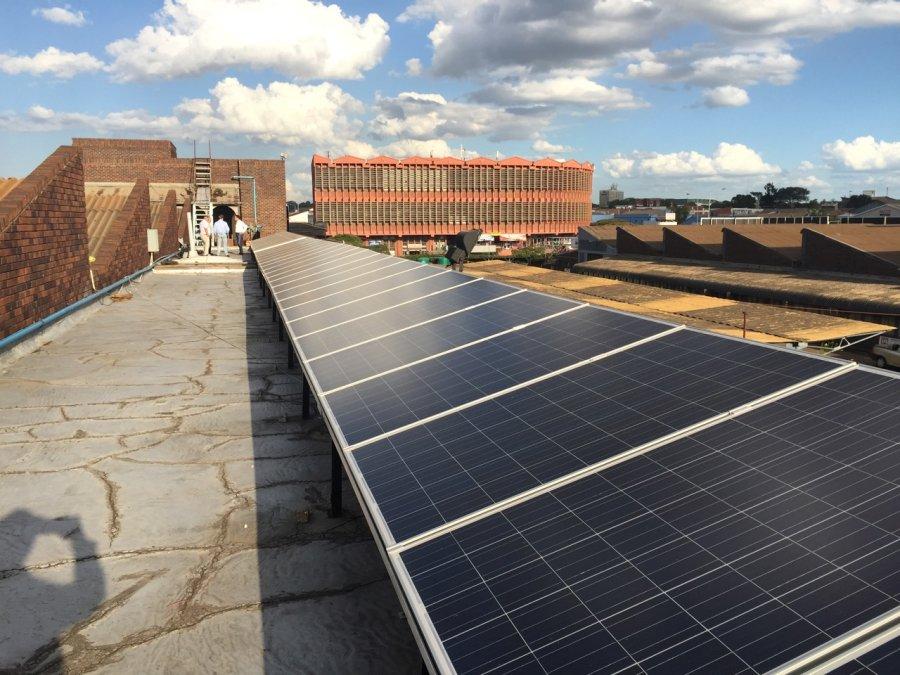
[{"x": 707, "y": 97}]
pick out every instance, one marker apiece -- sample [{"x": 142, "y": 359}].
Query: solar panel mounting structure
[{"x": 559, "y": 487}]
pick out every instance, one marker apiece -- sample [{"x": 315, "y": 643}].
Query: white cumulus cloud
[
  {"x": 793, "y": 17},
  {"x": 322, "y": 116},
  {"x": 413, "y": 67},
  {"x": 544, "y": 146},
  {"x": 813, "y": 183},
  {"x": 576, "y": 90},
  {"x": 726, "y": 96},
  {"x": 425, "y": 116},
  {"x": 729, "y": 159},
  {"x": 63, "y": 15},
  {"x": 432, "y": 147},
  {"x": 50, "y": 61},
  {"x": 299, "y": 38},
  {"x": 864, "y": 153}
]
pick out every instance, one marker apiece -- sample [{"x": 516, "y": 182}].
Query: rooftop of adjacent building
[
  {"x": 384, "y": 160},
  {"x": 765, "y": 323},
  {"x": 840, "y": 292}
]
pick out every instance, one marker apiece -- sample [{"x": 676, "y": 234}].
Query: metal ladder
[{"x": 202, "y": 203}]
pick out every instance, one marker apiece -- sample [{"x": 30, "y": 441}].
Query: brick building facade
[
  {"x": 121, "y": 160},
  {"x": 433, "y": 198}
]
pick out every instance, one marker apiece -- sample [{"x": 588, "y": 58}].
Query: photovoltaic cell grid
[
  {"x": 405, "y": 396},
  {"x": 731, "y": 549},
  {"x": 373, "y": 297},
  {"x": 342, "y": 335},
  {"x": 460, "y": 463},
  {"x": 437, "y": 336}
]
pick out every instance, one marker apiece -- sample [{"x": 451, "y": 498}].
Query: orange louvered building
[{"x": 415, "y": 203}]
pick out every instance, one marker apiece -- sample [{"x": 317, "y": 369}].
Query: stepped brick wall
[
  {"x": 167, "y": 223},
  {"x": 124, "y": 248},
  {"x": 43, "y": 242}
]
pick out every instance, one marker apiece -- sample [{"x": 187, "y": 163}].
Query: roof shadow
[
  {"x": 41, "y": 604},
  {"x": 326, "y": 602}
]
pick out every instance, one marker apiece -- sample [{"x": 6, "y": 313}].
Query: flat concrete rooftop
[{"x": 164, "y": 509}]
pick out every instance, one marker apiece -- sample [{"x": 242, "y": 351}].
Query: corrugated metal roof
[
  {"x": 765, "y": 323},
  {"x": 156, "y": 211},
  {"x": 6, "y": 185},
  {"x": 102, "y": 206}
]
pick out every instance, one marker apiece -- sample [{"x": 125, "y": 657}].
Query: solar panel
[
  {"x": 562, "y": 487},
  {"x": 352, "y": 332},
  {"x": 442, "y": 333},
  {"x": 718, "y": 544},
  {"x": 334, "y": 308},
  {"x": 433, "y": 386}
]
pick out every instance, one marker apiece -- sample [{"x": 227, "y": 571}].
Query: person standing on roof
[
  {"x": 205, "y": 234},
  {"x": 220, "y": 229},
  {"x": 240, "y": 233}
]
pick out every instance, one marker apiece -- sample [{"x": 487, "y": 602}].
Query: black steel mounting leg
[
  {"x": 305, "y": 398},
  {"x": 281, "y": 331},
  {"x": 337, "y": 477},
  {"x": 273, "y": 311},
  {"x": 290, "y": 356}
]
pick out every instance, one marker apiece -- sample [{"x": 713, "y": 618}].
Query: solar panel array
[{"x": 560, "y": 487}]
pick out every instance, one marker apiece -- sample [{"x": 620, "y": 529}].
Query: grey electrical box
[{"x": 153, "y": 241}]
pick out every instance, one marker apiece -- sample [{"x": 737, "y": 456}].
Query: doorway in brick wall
[{"x": 228, "y": 215}]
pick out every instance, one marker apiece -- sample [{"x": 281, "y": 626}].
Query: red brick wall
[
  {"x": 119, "y": 160},
  {"x": 270, "y": 191},
  {"x": 167, "y": 224},
  {"x": 111, "y": 148},
  {"x": 43, "y": 242},
  {"x": 124, "y": 248}
]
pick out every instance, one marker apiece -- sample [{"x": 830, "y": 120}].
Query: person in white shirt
[
  {"x": 240, "y": 233},
  {"x": 220, "y": 229},
  {"x": 205, "y": 232}
]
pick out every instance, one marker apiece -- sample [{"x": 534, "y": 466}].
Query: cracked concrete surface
[{"x": 154, "y": 474}]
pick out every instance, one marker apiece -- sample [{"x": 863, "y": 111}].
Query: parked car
[{"x": 887, "y": 352}]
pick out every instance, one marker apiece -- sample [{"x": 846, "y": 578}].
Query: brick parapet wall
[
  {"x": 124, "y": 248},
  {"x": 110, "y": 148},
  {"x": 167, "y": 224},
  {"x": 43, "y": 242}
]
